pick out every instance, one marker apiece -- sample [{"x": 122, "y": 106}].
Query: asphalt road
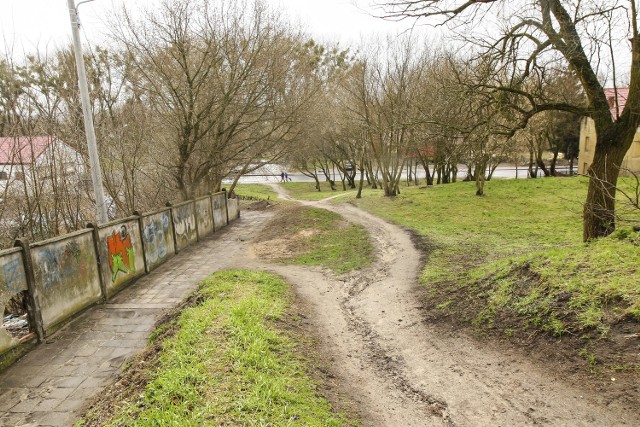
[{"x": 270, "y": 174}]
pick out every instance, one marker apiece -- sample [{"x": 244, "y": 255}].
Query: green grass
[
  {"x": 228, "y": 365},
  {"x": 319, "y": 237},
  {"x": 339, "y": 246},
  {"x": 307, "y": 190},
  {"x": 514, "y": 258},
  {"x": 256, "y": 192}
]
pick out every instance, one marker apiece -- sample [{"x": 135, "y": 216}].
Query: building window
[
  {"x": 587, "y": 143},
  {"x": 4, "y": 176}
]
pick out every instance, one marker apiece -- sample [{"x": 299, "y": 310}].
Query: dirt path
[{"x": 401, "y": 371}]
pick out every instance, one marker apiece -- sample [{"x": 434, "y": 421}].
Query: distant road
[{"x": 269, "y": 174}]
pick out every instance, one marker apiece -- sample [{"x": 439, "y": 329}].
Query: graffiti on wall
[
  {"x": 205, "y": 222},
  {"x": 13, "y": 279},
  {"x": 121, "y": 253},
  {"x": 217, "y": 203},
  {"x": 185, "y": 225},
  {"x": 66, "y": 273},
  {"x": 219, "y": 211},
  {"x": 58, "y": 263},
  {"x": 156, "y": 237}
]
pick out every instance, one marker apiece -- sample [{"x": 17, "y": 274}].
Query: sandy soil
[{"x": 399, "y": 370}]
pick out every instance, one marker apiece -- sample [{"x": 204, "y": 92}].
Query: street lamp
[{"x": 94, "y": 160}]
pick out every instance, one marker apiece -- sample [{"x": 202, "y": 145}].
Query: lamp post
[{"x": 94, "y": 160}]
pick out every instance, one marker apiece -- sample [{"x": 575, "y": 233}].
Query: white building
[{"x": 41, "y": 160}]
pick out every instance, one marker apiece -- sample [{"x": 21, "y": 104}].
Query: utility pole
[{"x": 94, "y": 159}]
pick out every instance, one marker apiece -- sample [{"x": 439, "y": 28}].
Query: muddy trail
[{"x": 398, "y": 370}]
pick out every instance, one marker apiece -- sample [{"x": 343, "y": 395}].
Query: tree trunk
[
  {"x": 599, "y": 208},
  {"x": 428, "y": 174},
  {"x": 571, "y": 166},
  {"x": 359, "y": 195},
  {"x": 541, "y": 165},
  {"x": 480, "y": 184},
  {"x": 533, "y": 173},
  {"x": 554, "y": 160},
  {"x": 481, "y": 170}
]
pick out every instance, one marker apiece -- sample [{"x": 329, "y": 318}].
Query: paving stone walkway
[{"x": 52, "y": 384}]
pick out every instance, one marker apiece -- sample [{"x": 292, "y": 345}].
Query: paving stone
[
  {"x": 93, "y": 383},
  {"x": 22, "y": 376},
  {"x": 27, "y": 405},
  {"x": 48, "y": 404},
  {"x": 48, "y": 386},
  {"x": 56, "y": 418},
  {"x": 123, "y": 343},
  {"x": 69, "y": 382},
  {"x": 86, "y": 350},
  {"x": 63, "y": 371},
  {"x": 59, "y": 393},
  {"x": 70, "y": 405},
  {"x": 13, "y": 419},
  {"x": 10, "y": 397},
  {"x": 81, "y": 361},
  {"x": 36, "y": 358}
]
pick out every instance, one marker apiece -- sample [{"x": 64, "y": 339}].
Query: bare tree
[
  {"x": 384, "y": 98},
  {"x": 538, "y": 35},
  {"x": 224, "y": 82}
]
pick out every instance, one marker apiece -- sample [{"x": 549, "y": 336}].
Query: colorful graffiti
[
  {"x": 156, "y": 237},
  {"x": 121, "y": 253}
]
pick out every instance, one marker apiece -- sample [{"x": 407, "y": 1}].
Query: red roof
[
  {"x": 22, "y": 150},
  {"x": 622, "y": 94}
]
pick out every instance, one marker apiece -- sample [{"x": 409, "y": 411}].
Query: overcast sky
[{"x": 27, "y": 24}]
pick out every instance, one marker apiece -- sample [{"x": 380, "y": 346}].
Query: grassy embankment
[
  {"x": 222, "y": 361},
  {"x": 307, "y": 190},
  {"x": 255, "y": 192},
  {"x": 513, "y": 261},
  {"x": 308, "y": 236}
]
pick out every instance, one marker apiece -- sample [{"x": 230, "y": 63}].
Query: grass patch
[
  {"x": 307, "y": 190},
  {"x": 255, "y": 192},
  {"x": 226, "y": 364},
  {"x": 311, "y": 236},
  {"x": 513, "y": 260}
]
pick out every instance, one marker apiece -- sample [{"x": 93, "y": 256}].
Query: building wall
[
  {"x": 58, "y": 162},
  {"x": 588, "y": 137},
  {"x": 12, "y": 174}
]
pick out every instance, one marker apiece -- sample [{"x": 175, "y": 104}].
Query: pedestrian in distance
[
  {"x": 282, "y": 177},
  {"x": 286, "y": 177}
]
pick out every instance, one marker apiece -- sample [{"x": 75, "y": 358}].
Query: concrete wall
[
  {"x": 66, "y": 276},
  {"x": 184, "y": 224},
  {"x": 232, "y": 209},
  {"x": 60, "y": 277},
  {"x": 218, "y": 201},
  {"x": 157, "y": 238},
  {"x": 204, "y": 216},
  {"x": 121, "y": 253},
  {"x": 13, "y": 280}
]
